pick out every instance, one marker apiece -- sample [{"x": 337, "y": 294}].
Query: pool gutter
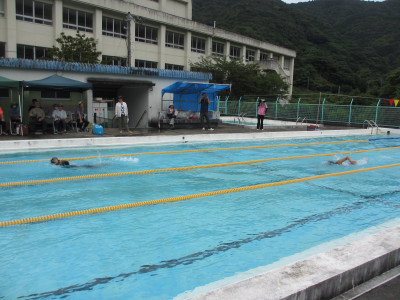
[
  {"x": 40, "y": 144},
  {"x": 322, "y": 276}
]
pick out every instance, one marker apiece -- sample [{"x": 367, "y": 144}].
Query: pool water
[{"x": 160, "y": 251}]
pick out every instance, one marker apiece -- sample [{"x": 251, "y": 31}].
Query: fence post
[
  {"x": 376, "y": 113},
  {"x": 351, "y": 104},
  {"x": 239, "y": 105},
  {"x": 217, "y": 98},
  {"x": 322, "y": 111},
  {"x": 276, "y": 108},
  {"x": 226, "y": 105},
  {"x": 257, "y": 106},
  {"x": 298, "y": 108}
]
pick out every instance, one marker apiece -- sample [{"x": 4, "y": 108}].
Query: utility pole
[{"x": 129, "y": 18}]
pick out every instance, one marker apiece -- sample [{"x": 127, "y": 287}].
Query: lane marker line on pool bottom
[
  {"x": 181, "y": 198},
  {"x": 181, "y": 151},
  {"x": 40, "y": 181}
]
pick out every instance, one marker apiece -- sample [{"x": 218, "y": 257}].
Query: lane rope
[
  {"x": 180, "y": 151},
  {"x": 40, "y": 181},
  {"x": 181, "y": 198}
]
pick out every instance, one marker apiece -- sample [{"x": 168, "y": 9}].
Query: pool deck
[{"x": 322, "y": 276}]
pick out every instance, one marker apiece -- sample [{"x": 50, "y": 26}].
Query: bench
[{"x": 184, "y": 119}]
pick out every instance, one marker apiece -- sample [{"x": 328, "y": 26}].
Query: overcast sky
[{"x": 296, "y": 1}]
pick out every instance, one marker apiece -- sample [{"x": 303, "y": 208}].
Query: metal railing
[{"x": 385, "y": 116}]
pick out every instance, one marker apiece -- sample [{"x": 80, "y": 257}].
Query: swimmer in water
[
  {"x": 65, "y": 163},
  {"x": 55, "y": 161},
  {"x": 342, "y": 160}
]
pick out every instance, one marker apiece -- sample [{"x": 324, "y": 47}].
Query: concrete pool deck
[{"x": 363, "y": 259}]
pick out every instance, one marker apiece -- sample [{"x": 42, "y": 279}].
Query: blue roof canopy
[
  {"x": 181, "y": 87},
  {"x": 186, "y": 94}
]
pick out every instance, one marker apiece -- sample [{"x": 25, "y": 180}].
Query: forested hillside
[{"x": 350, "y": 44}]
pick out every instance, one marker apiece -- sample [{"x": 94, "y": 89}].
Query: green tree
[
  {"x": 245, "y": 78},
  {"x": 75, "y": 49}
]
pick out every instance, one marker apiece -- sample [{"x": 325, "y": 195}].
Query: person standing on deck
[
  {"x": 121, "y": 113},
  {"x": 204, "y": 101},
  {"x": 261, "y": 110}
]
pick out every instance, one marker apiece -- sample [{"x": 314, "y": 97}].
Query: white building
[{"x": 157, "y": 34}]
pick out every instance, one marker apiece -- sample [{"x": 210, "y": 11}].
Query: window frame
[
  {"x": 215, "y": 48},
  {"x": 45, "y": 95},
  {"x": 140, "y": 63},
  {"x": 123, "y": 33},
  {"x": 78, "y": 17},
  {"x": 198, "y": 45},
  {"x": 35, "y": 7},
  {"x": 250, "y": 55},
  {"x": 116, "y": 60},
  {"x": 174, "y": 40},
  {"x": 34, "y": 51},
  {"x": 232, "y": 52},
  {"x": 173, "y": 67},
  {"x": 148, "y": 36}
]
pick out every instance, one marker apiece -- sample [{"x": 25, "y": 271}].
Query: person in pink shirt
[{"x": 261, "y": 110}]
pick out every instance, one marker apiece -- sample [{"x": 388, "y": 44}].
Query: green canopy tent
[
  {"x": 55, "y": 82},
  {"x": 9, "y": 83}
]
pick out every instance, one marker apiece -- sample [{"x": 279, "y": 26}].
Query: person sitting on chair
[
  {"x": 171, "y": 114},
  {"x": 2, "y": 123},
  {"x": 81, "y": 117},
  {"x": 59, "y": 117},
  {"x": 37, "y": 117}
]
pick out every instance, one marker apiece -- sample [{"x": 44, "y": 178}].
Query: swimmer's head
[
  {"x": 331, "y": 162},
  {"x": 54, "y": 160}
]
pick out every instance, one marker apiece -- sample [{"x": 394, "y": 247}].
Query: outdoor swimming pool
[{"x": 160, "y": 251}]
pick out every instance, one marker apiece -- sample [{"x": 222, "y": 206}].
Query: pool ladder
[
  {"x": 240, "y": 119},
  {"x": 372, "y": 124},
  {"x": 303, "y": 120}
]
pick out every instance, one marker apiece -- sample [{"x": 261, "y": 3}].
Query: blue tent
[{"x": 186, "y": 94}]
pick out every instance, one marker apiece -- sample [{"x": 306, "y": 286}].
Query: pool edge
[
  {"x": 24, "y": 145},
  {"x": 321, "y": 276}
]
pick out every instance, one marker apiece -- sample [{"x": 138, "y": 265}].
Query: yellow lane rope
[
  {"x": 181, "y": 151},
  {"x": 39, "y": 181},
  {"x": 181, "y": 198}
]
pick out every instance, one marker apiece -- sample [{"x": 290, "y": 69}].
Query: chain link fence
[{"x": 382, "y": 112}]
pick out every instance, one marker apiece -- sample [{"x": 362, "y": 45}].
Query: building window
[
  {"x": 198, "y": 45},
  {"x": 174, "y": 40},
  {"x": 264, "y": 56},
  {"x": 2, "y": 49},
  {"x": 173, "y": 67},
  {"x": 34, "y": 11},
  {"x": 146, "y": 34},
  {"x": 55, "y": 95},
  {"x": 114, "y": 61},
  {"x": 31, "y": 52},
  {"x": 286, "y": 63},
  {"x": 114, "y": 27},
  {"x": 217, "y": 49},
  {"x": 4, "y": 93},
  {"x": 77, "y": 20},
  {"x": 250, "y": 55},
  {"x": 1, "y": 7},
  {"x": 234, "y": 52},
  {"x": 145, "y": 64}
]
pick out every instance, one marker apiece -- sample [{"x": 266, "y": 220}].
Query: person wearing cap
[
  {"x": 261, "y": 110},
  {"x": 121, "y": 113},
  {"x": 37, "y": 117},
  {"x": 81, "y": 117},
  {"x": 59, "y": 117},
  {"x": 204, "y": 102},
  {"x": 55, "y": 161}
]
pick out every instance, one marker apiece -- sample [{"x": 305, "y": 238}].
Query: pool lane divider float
[
  {"x": 181, "y": 151},
  {"x": 182, "y": 198},
  {"x": 39, "y": 181}
]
